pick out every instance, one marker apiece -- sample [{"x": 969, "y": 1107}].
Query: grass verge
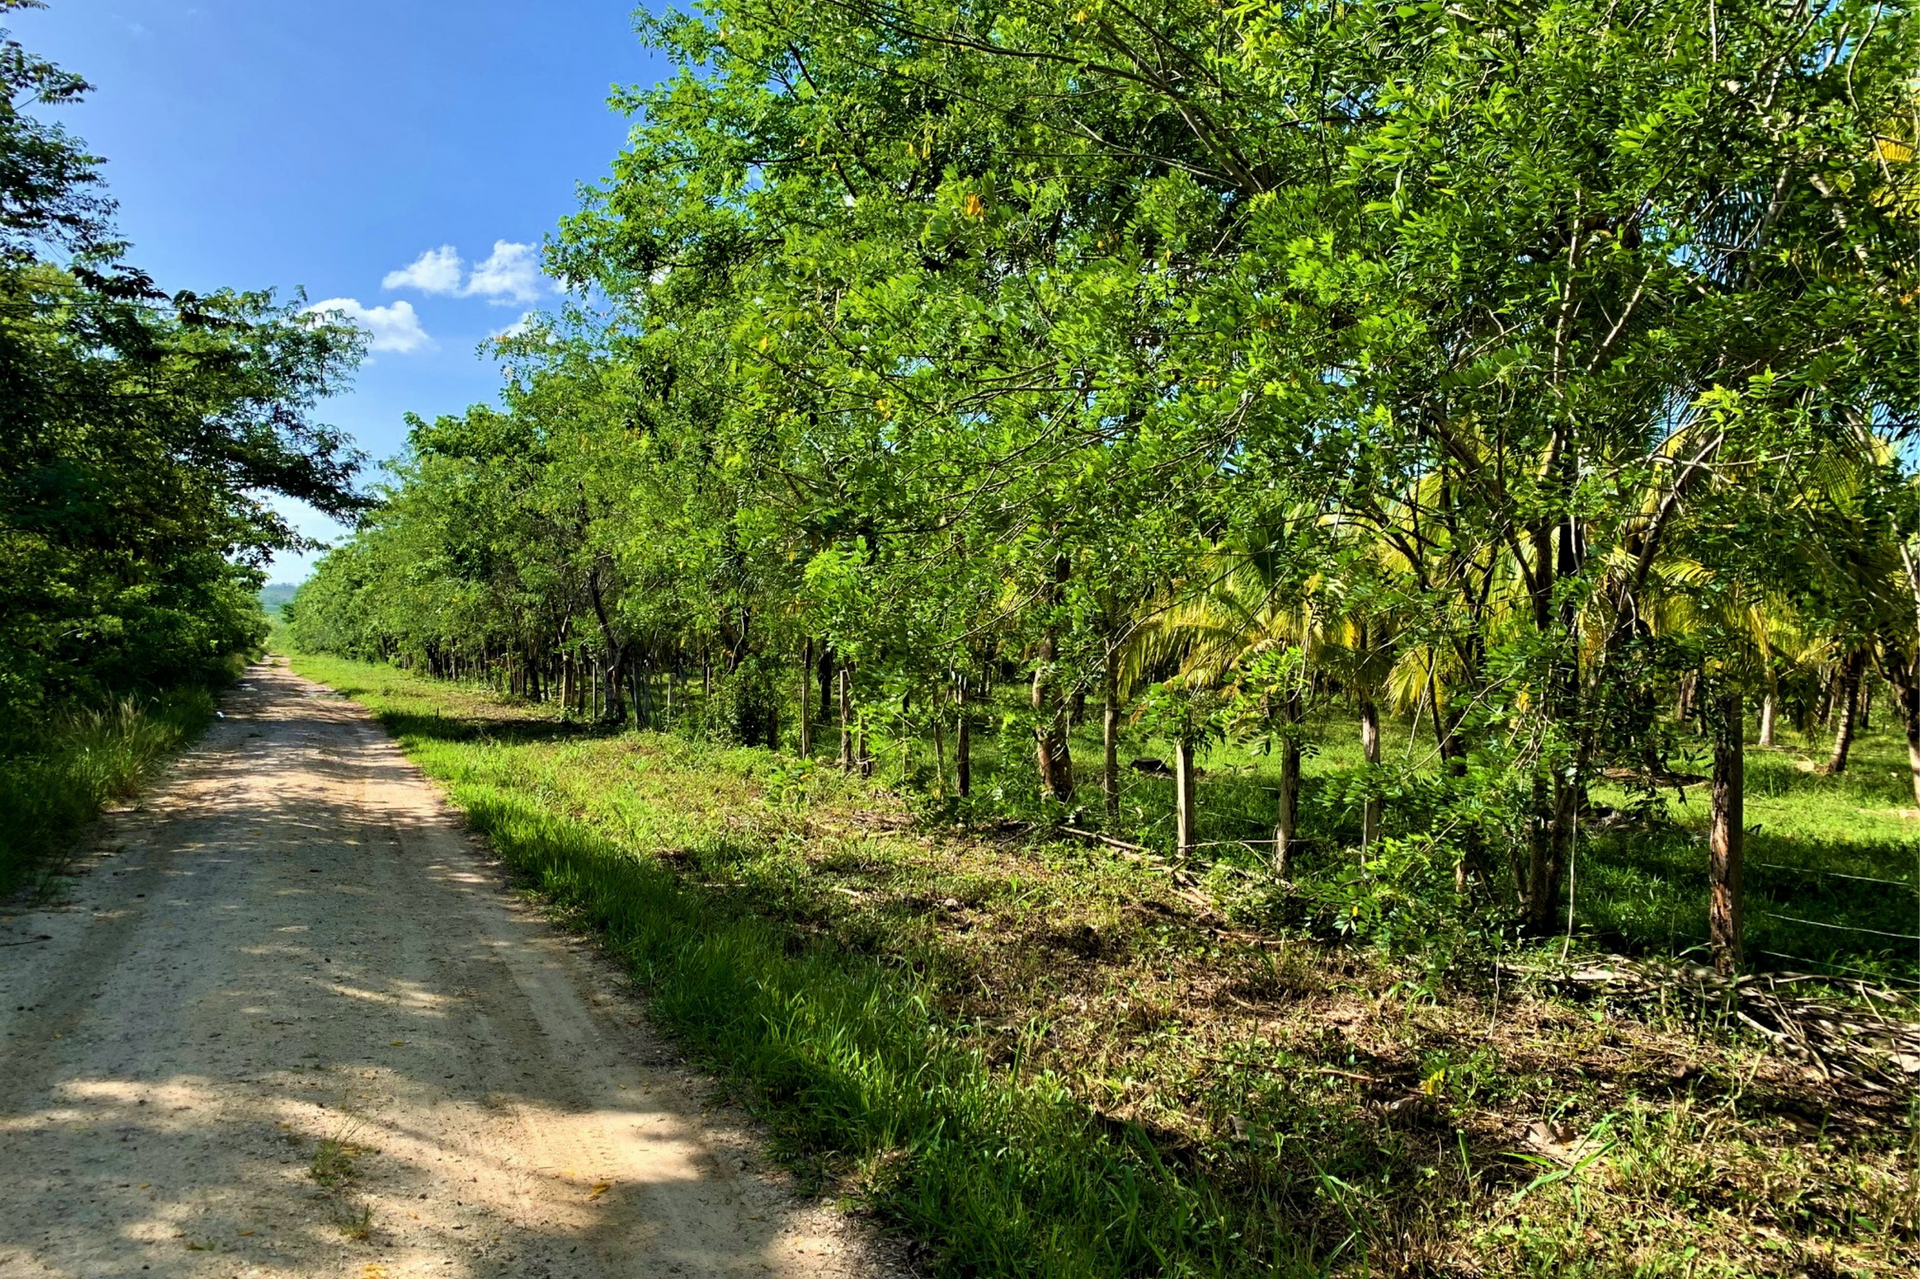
[
  {"x": 1042, "y": 1059},
  {"x": 59, "y": 781}
]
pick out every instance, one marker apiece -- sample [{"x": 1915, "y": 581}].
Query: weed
[{"x": 354, "y": 1222}]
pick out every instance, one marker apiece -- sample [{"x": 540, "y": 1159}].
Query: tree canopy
[
  {"x": 142, "y": 434},
  {"x": 1515, "y": 366}
]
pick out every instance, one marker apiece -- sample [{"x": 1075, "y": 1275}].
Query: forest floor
[
  {"x": 1050, "y": 1057},
  {"x": 285, "y": 1020}
]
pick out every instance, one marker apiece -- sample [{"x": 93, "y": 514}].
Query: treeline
[
  {"x": 1528, "y": 370},
  {"x": 141, "y": 434}
]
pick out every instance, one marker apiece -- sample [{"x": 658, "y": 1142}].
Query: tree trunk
[
  {"x": 1286, "y": 821},
  {"x": 1846, "y": 707},
  {"x": 906, "y": 740},
  {"x": 939, "y": 754},
  {"x": 1051, "y": 751},
  {"x": 1110, "y": 733},
  {"x": 806, "y": 695},
  {"x": 846, "y": 720},
  {"x": 1539, "y": 889},
  {"x": 1183, "y": 794},
  {"x": 1903, "y": 674},
  {"x": 1727, "y": 837},
  {"x": 962, "y": 741},
  {"x": 1370, "y": 748},
  {"x": 826, "y": 670},
  {"x": 1769, "y": 711}
]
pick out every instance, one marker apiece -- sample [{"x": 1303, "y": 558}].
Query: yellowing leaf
[{"x": 600, "y": 1188}]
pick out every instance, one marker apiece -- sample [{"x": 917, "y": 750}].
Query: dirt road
[{"x": 288, "y": 1023}]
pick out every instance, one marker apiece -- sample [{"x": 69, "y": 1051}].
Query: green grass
[
  {"x": 1039, "y": 1058},
  {"x": 55, "y": 782}
]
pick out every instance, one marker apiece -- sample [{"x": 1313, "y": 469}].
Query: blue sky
[{"x": 272, "y": 143}]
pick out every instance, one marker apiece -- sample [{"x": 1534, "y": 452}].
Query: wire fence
[
  {"x": 1834, "y": 874},
  {"x": 1844, "y": 968}
]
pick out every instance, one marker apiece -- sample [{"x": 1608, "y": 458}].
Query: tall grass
[{"x": 54, "y": 783}]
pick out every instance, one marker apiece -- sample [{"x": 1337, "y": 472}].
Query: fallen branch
[{"x": 1877, "y": 1049}]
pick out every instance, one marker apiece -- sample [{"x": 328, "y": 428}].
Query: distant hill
[{"x": 273, "y": 596}]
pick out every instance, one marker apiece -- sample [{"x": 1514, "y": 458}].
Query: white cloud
[
  {"x": 515, "y": 329},
  {"x": 393, "y": 328},
  {"x": 511, "y": 274},
  {"x": 435, "y": 271}
]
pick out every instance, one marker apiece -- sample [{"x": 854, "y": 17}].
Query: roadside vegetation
[
  {"x": 1046, "y": 1056},
  {"x": 84, "y": 761}
]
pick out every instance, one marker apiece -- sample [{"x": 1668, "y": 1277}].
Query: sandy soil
[{"x": 287, "y": 1022}]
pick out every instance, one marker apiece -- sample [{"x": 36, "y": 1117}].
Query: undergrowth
[
  {"x": 1040, "y": 1059},
  {"x": 55, "y": 781}
]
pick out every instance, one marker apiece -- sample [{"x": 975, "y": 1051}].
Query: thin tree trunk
[
  {"x": 939, "y": 754},
  {"x": 1769, "y": 711},
  {"x": 906, "y": 741},
  {"x": 962, "y": 741},
  {"x": 826, "y": 666},
  {"x": 1286, "y": 821},
  {"x": 846, "y": 720},
  {"x": 1183, "y": 794},
  {"x": 1370, "y": 748},
  {"x": 1846, "y": 706},
  {"x": 1052, "y": 753},
  {"x": 1903, "y": 676},
  {"x": 1727, "y": 838},
  {"x": 1110, "y": 733},
  {"x": 1539, "y": 889},
  {"x": 806, "y": 695}
]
